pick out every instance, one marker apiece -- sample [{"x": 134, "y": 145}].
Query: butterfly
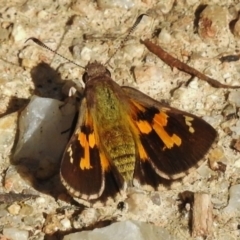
[{"x": 123, "y": 137}]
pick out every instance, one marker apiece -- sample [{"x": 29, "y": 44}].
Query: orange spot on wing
[
  {"x": 136, "y": 133},
  {"x": 91, "y": 139},
  {"x": 144, "y": 126},
  {"x": 82, "y": 139},
  {"x": 87, "y": 142},
  {"x": 160, "y": 121},
  {"x": 85, "y": 161}
]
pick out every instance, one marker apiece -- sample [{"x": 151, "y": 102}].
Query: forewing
[
  {"x": 86, "y": 170},
  {"x": 169, "y": 142}
]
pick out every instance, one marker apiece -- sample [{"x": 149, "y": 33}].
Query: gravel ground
[{"x": 196, "y": 32}]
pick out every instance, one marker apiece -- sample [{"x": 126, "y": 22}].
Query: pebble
[
  {"x": 66, "y": 223},
  {"x": 147, "y": 73},
  {"x": 126, "y": 230},
  {"x": 234, "y": 98},
  {"x": 133, "y": 50},
  {"x": 233, "y": 206},
  {"x": 52, "y": 224},
  {"x": 204, "y": 171},
  {"x": 26, "y": 209},
  {"x": 13, "y": 180},
  {"x": 5, "y": 33},
  {"x": 165, "y": 6},
  {"x": 42, "y": 118},
  {"x": 164, "y": 36},
  {"x": 156, "y": 198},
  {"x": 8, "y": 128},
  {"x": 88, "y": 215},
  {"x": 237, "y": 163},
  {"x": 213, "y": 26},
  {"x": 14, "y": 209},
  {"x": 127, "y": 4},
  {"x": 3, "y": 213},
  {"x": 15, "y": 233},
  {"x": 19, "y": 33},
  {"x": 137, "y": 202},
  {"x": 236, "y": 129}
]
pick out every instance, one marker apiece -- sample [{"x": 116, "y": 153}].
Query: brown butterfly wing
[
  {"x": 86, "y": 171},
  {"x": 169, "y": 143}
]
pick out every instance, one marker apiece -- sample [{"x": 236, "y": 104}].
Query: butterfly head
[{"x": 94, "y": 70}]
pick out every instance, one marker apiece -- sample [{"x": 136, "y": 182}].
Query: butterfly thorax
[{"x": 108, "y": 107}]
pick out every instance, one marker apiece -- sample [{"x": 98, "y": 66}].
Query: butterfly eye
[{"x": 85, "y": 76}]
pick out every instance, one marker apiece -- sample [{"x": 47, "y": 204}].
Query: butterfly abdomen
[{"x": 106, "y": 108}]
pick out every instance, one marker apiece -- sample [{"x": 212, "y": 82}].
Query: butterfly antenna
[
  {"x": 40, "y": 43},
  {"x": 128, "y": 35}
]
